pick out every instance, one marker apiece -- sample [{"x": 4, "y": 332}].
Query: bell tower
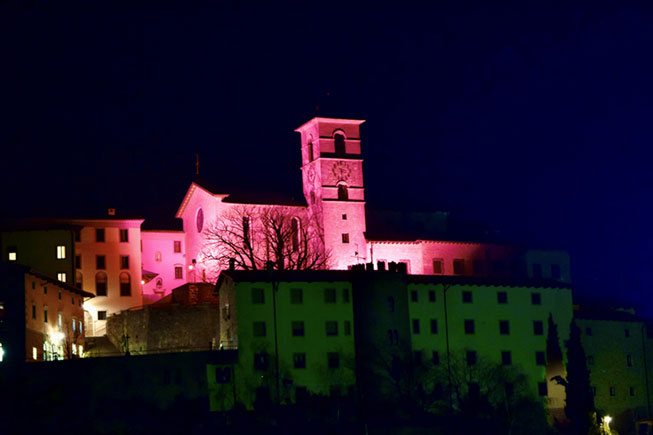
[{"x": 332, "y": 174}]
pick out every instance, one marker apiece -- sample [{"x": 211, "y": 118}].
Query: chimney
[{"x": 112, "y": 211}]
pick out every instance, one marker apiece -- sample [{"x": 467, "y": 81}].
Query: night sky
[{"x": 533, "y": 118}]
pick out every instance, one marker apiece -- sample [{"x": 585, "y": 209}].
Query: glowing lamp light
[
  {"x": 607, "y": 419},
  {"x": 142, "y": 282},
  {"x": 190, "y": 267}
]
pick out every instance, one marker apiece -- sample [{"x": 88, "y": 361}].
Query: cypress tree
[{"x": 580, "y": 402}]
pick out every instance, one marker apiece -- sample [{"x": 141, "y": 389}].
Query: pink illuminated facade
[
  {"x": 164, "y": 264},
  {"x": 334, "y": 190}
]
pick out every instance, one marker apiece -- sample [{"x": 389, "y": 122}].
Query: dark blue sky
[{"x": 531, "y": 117}]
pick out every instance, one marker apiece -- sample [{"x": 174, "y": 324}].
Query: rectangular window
[
  {"x": 179, "y": 272},
  {"x": 471, "y": 357},
  {"x": 502, "y": 297},
  {"x": 506, "y": 358},
  {"x": 299, "y": 360},
  {"x": 45, "y": 290},
  {"x": 35, "y": 353},
  {"x": 469, "y": 326},
  {"x": 102, "y": 315},
  {"x": 431, "y": 295},
  {"x": 538, "y": 327},
  {"x": 438, "y": 266},
  {"x": 542, "y": 389},
  {"x": 124, "y": 261},
  {"x": 60, "y": 320},
  {"x": 99, "y": 234},
  {"x": 504, "y": 327},
  {"x": 78, "y": 261},
  {"x": 632, "y": 391},
  {"x": 45, "y": 314},
  {"x": 613, "y": 391},
  {"x": 124, "y": 235},
  {"x": 540, "y": 358},
  {"x": 331, "y": 327},
  {"x": 34, "y": 311},
  {"x": 333, "y": 360},
  {"x": 78, "y": 235},
  {"x": 329, "y": 295},
  {"x": 467, "y": 297},
  {"x": 74, "y": 323},
  {"x": 415, "y": 326},
  {"x": 435, "y": 358},
  {"x": 297, "y": 327},
  {"x": 588, "y": 331},
  {"x": 261, "y": 361},
  {"x": 434, "y": 326},
  {"x": 100, "y": 262},
  {"x": 555, "y": 272},
  {"x": 629, "y": 360},
  {"x": 258, "y": 296},
  {"x": 347, "y": 327},
  {"x": 459, "y": 266},
  {"x": 296, "y": 296},
  {"x": 536, "y": 299},
  {"x": 176, "y": 246},
  {"x": 61, "y": 252},
  {"x": 345, "y": 296},
  {"x": 61, "y": 276},
  {"x": 413, "y": 296},
  {"x": 345, "y": 237},
  {"x": 12, "y": 254},
  {"x": 344, "y": 217},
  {"x": 537, "y": 270},
  {"x": 74, "y": 348},
  {"x": 259, "y": 329}
]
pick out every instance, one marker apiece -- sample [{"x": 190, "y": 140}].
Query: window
[
  {"x": 60, "y": 294},
  {"x": 61, "y": 252},
  {"x": 438, "y": 268},
  {"x": 588, "y": 331},
  {"x": 537, "y": 270},
  {"x": 467, "y": 297},
  {"x": 74, "y": 324},
  {"x": 309, "y": 149},
  {"x": 331, "y": 327},
  {"x": 258, "y": 296},
  {"x": 61, "y": 276},
  {"x": 35, "y": 353},
  {"x": 330, "y": 295},
  {"x": 435, "y": 358},
  {"x": 391, "y": 304},
  {"x": 45, "y": 314},
  {"x": 124, "y": 261},
  {"x": 555, "y": 271},
  {"x": 431, "y": 295},
  {"x": 102, "y": 315},
  {"x": 45, "y": 290},
  {"x": 469, "y": 326},
  {"x": 434, "y": 326},
  {"x": 100, "y": 262},
  {"x": 299, "y": 360},
  {"x": 339, "y": 144},
  {"x": 504, "y": 327},
  {"x": 99, "y": 234},
  {"x": 502, "y": 297},
  {"x": 261, "y": 361},
  {"x": 157, "y": 256},
  {"x": 344, "y": 217},
  {"x": 33, "y": 285},
  {"x": 297, "y": 327},
  {"x": 542, "y": 389},
  {"x": 179, "y": 272},
  {"x": 627, "y": 332},
  {"x": 176, "y": 246},
  {"x": 81, "y": 331},
  {"x": 540, "y": 358},
  {"x": 538, "y": 327},
  {"x": 78, "y": 261},
  {"x": 124, "y": 235},
  {"x": 333, "y": 360},
  {"x": 34, "y": 311},
  {"x": 506, "y": 358},
  {"x": 296, "y": 296},
  {"x": 259, "y": 329},
  {"x": 536, "y": 299},
  {"x": 413, "y": 296},
  {"x": 343, "y": 193},
  {"x": 347, "y": 327},
  {"x": 100, "y": 284},
  {"x": 415, "y": 326},
  {"x": 12, "y": 253},
  {"x": 345, "y": 296},
  {"x": 345, "y": 237},
  {"x": 60, "y": 320},
  {"x": 629, "y": 360},
  {"x": 471, "y": 357},
  {"x": 458, "y": 266},
  {"x": 223, "y": 375},
  {"x": 631, "y": 390},
  {"x": 78, "y": 235},
  {"x": 125, "y": 284},
  {"x": 590, "y": 360},
  {"x": 613, "y": 391}
]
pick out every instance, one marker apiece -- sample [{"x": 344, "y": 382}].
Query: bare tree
[{"x": 251, "y": 236}]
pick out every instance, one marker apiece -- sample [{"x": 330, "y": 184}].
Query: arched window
[
  {"x": 343, "y": 193},
  {"x": 78, "y": 279},
  {"x": 294, "y": 233},
  {"x": 340, "y": 144},
  {"x": 125, "y": 284},
  {"x": 309, "y": 148},
  {"x": 101, "y": 284},
  {"x": 159, "y": 284}
]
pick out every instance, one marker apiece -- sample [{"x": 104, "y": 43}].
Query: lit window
[
  {"x": 12, "y": 256},
  {"x": 124, "y": 235},
  {"x": 60, "y": 320},
  {"x": 61, "y": 252},
  {"x": 61, "y": 276},
  {"x": 80, "y": 348},
  {"x": 74, "y": 323},
  {"x": 2, "y": 353},
  {"x": 74, "y": 346},
  {"x": 81, "y": 326},
  {"x": 35, "y": 353}
]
